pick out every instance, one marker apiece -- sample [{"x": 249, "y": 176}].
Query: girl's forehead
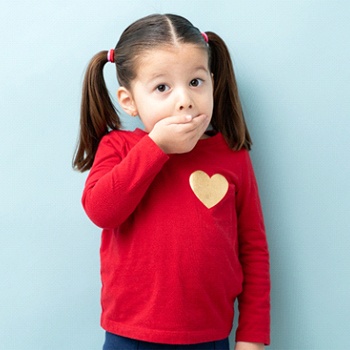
[{"x": 166, "y": 56}]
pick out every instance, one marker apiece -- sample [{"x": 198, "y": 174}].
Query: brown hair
[{"x": 98, "y": 114}]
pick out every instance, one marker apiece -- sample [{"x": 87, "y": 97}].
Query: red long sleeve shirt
[{"x": 183, "y": 237}]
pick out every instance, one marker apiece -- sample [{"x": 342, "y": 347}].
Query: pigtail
[
  {"x": 228, "y": 114},
  {"x": 98, "y": 115}
]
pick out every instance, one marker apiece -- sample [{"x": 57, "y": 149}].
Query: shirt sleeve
[
  {"x": 117, "y": 183},
  {"x": 254, "y": 301}
]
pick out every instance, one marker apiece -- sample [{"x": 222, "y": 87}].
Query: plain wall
[{"x": 292, "y": 62}]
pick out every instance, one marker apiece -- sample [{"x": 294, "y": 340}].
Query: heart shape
[{"x": 209, "y": 190}]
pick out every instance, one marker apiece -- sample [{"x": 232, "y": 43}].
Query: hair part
[{"x": 98, "y": 115}]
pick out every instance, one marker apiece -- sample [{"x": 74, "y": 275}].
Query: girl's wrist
[
  {"x": 249, "y": 346},
  {"x": 158, "y": 142}
]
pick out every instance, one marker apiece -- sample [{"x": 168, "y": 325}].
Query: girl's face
[{"x": 170, "y": 81}]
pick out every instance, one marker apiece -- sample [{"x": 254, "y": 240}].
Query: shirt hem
[{"x": 164, "y": 336}]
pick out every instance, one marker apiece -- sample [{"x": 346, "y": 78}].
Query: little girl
[{"x": 183, "y": 233}]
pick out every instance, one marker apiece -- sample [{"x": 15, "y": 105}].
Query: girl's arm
[
  {"x": 254, "y": 301},
  {"x": 116, "y": 184}
]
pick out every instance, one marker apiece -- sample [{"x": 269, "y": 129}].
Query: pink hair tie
[
  {"x": 205, "y": 37},
  {"x": 110, "y": 56}
]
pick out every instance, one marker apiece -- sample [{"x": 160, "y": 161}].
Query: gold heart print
[{"x": 209, "y": 190}]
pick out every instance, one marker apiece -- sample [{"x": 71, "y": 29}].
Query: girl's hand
[
  {"x": 179, "y": 134},
  {"x": 249, "y": 346}
]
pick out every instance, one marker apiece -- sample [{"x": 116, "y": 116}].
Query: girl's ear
[{"x": 126, "y": 101}]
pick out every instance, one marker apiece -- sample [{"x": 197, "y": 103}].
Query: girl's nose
[
  {"x": 184, "y": 101},
  {"x": 182, "y": 107}
]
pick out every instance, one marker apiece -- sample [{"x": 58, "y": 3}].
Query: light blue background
[{"x": 292, "y": 62}]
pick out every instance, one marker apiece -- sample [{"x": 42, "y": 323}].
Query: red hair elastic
[
  {"x": 205, "y": 37},
  {"x": 110, "y": 56}
]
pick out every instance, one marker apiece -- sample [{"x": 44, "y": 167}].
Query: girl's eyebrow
[
  {"x": 161, "y": 75},
  {"x": 201, "y": 68},
  {"x": 157, "y": 75}
]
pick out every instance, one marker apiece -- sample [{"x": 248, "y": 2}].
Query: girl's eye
[
  {"x": 196, "y": 82},
  {"x": 162, "y": 88}
]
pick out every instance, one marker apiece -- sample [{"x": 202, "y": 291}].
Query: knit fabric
[{"x": 183, "y": 237}]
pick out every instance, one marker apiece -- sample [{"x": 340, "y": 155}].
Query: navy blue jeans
[{"x": 116, "y": 342}]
